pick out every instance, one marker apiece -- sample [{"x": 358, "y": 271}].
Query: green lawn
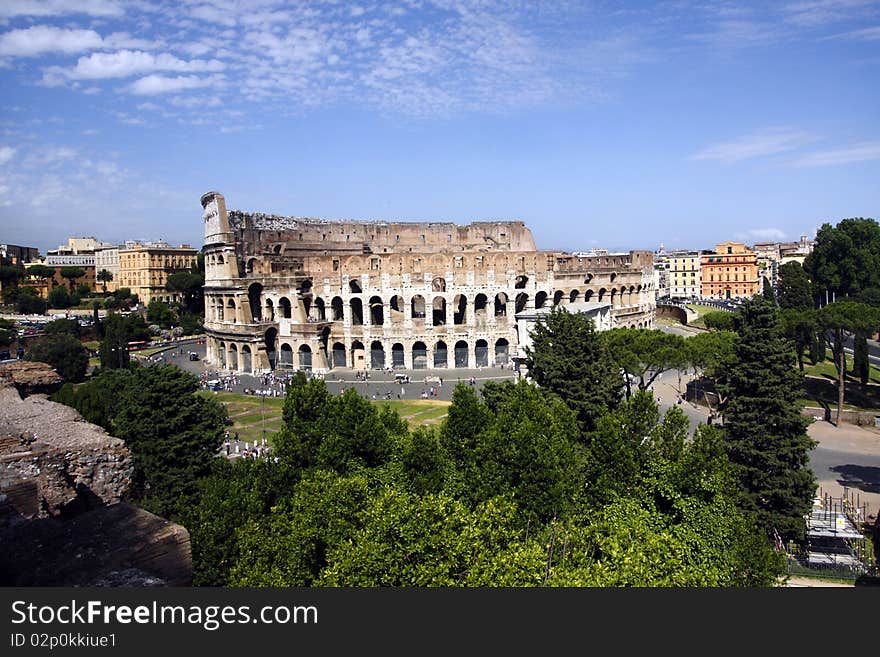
[
  {"x": 254, "y": 417},
  {"x": 821, "y": 387},
  {"x": 701, "y": 310}
]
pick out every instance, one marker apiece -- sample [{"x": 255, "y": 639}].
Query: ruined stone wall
[{"x": 288, "y": 292}]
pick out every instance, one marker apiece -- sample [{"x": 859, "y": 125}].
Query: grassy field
[
  {"x": 254, "y": 417},
  {"x": 701, "y": 310},
  {"x": 821, "y": 387}
]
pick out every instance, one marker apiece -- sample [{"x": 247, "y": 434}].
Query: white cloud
[
  {"x": 103, "y": 8},
  {"x": 126, "y": 63},
  {"x": 863, "y": 152},
  {"x": 41, "y": 39},
  {"x": 6, "y": 154},
  {"x": 760, "y": 144},
  {"x": 864, "y": 34},
  {"x": 160, "y": 84}
]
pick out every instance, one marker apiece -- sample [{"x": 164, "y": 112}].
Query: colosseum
[{"x": 296, "y": 293}]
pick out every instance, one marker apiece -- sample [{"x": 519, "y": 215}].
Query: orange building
[{"x": 731, "y": 272}]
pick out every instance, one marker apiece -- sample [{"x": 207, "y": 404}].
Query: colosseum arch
[
  {"x": 358, "y": 355},
  {"x": 229, "y": 315},
  {"x": 320, "y": 310},
  {"x": 233, "y": 357},
  {"x": 419, "y": 355},
  {"x": 221, "y": 355},
  {"x": 377, "y": 311},
  {"x": 459, "y": 313},
  {"x": 438, "y": 314},
  {"x": 540, "y": 299},
  {"x": 417, "y": 307},
  {"x": 395, "y": 312},
  {"x": 574, "y": 295},
  {"x": 354, "y": 286},
  {"x": 588, "y": 296},
  {"x": 438, "y": 284},
  {"x": 481, "y": 353},
  {"x": 588, "y": 278},
  {"x": 500, "y": 304},
  {"x": 441, "y": 354},
  {"x": 377, "y": 355},
  {"x": 251, "y": 265},
  {"x": 615, "y": 300},
  {"x": 613, "y": 276},
  {"x": 522, "y": 299},
  {"x": 520, "y": 282},
  {"x": 557, "y": 297},
  {"x": 461, "y": 354},
  {"x": 220, "y": 260},
  {"x": 269, "y": 310},
  {"x": 284, "y": 307},
  {"x": 356, "y": 307},
  {"x": 398, "y": 358},
  {"x": 304, "y": 354},
  {"x": 337, "y": 355},
  {"x": 246, "y": 359},
  {"x": 255, "y": 293},
  {"x": 601, "y": 296},
  {"x": 336, "y": 309},
  {"x": 270, "y": 339},
  {"x": 285, "y": 357},
  {"x": 480, "y": 304},
  {"x": 502, "y": 351}
]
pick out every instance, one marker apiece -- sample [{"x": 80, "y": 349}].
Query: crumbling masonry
[{"x": 288, "y": 292}]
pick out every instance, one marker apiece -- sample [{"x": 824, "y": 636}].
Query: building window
[{"x": 335, "y": 264}]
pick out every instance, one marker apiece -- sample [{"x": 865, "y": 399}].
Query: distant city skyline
[{"x": 612, "y": 125}]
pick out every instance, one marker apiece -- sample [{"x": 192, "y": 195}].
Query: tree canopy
[
  {"x": 764, "y": 430},
  {"x": 570, "y": 358},
  {"x": 846, "y": 257},
  {"x": 62, "y": 351}
]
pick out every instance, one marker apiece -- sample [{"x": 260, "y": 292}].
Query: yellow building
[
  {"x": 145, "y": 269},
  {"x": 731, "y": 272},
  {"x": 684, "y": 277}
]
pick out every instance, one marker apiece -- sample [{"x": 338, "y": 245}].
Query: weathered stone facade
[{"x": 287, "y": 292}]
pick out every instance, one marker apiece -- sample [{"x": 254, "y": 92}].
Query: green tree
[
  {"x": 305, "y": 409},
  {"x": 795, "y": 290},
  {"x": 290, "y": 546},
  {"x": 118, "y": 331},
  {"x": 173, "y": 433},
  {"x": 846, "y": 258},
  {"x": 765, "y": 432},
  {"x": 235, "y": 493},
  {"x": 422, "y": 461},
  {"x": 27, "y": 302},
  {"x": 71, "y": 274},
  {"x": 435, "y": 540},
  {"x": 10, "y": 276},
  {"x": 159, "y": 313},
  {"x": 799, "y": 326},
  {"x": 43, "y": 272},
  {"x": 59, "y": 298},
  {"x": 719, "y": 320},
  {"x": 644, "y": 354},
  {"x": 838, "y": 319},
  {"x": 190, "y": 286},
  {"x": 63, "y": 352},
  {"x": 570, "y": 358},
  {"x": 8, "y": 334},
  {"x": 767, "y": 290},
  {"x": 467, "y": 418},
  {"x": 861, "y": 365},
  {"x": 104, "y": 276},
  {"x": 530, "y": 451},
  {"x": 83, "y": 290},
  {"x": 62, "y": 326}
]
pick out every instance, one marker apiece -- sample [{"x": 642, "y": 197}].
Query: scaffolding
[{"x": 835, "y": 538}]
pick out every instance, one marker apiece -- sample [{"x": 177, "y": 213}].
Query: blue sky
[{"x": 601, "y": 124}]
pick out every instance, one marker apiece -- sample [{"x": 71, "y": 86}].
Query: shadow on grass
[{"x": 824, "y": 391}]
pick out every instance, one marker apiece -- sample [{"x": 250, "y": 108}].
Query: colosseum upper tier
[{"x": 288, "y": 292}]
